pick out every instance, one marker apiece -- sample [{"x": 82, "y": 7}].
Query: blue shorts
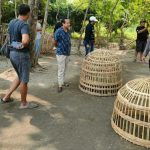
[{"x": 21, "y": 63}]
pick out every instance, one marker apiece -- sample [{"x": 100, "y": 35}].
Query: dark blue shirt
[
  {"x": 63, "y": 42},
  {"x": 16, "y": 28}
]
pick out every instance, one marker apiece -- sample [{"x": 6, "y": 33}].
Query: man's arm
[
  {"x": 56, "y": 38},
  {"x": 25, "y": 39},
  {"x": 25, "y": 35},
  {"x": 140, "y": 31}
]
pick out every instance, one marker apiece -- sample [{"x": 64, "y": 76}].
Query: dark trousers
[{"x": 89, "y": 46}]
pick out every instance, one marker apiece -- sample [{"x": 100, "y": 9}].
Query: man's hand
[
  {"x": 21, "y": 46},
  {"x": 55, "y": 43},
  {"x": 140, "y": 31}
]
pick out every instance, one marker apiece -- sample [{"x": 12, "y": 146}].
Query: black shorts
[{"x": 140, "y": 46}]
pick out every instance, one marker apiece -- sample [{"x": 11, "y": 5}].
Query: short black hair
[
  {"x": 24, "y": 9},
  {"x": 63, "y": 20},
  {"x": 143, "y": 21}
]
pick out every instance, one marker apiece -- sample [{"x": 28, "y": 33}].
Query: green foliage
[
  {"x": 8, "y": 11},
  {"x": 75, "y": 35},
  {"x": 126, "y": 14}
]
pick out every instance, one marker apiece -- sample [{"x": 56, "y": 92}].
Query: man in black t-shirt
[
  {"x": 89, "y": 38},
  {"x": 142, "y": 35}
]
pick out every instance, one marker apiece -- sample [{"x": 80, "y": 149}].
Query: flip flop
[
  {"x": 30, "y": 105},
  {"x": 7, "y": 101}
]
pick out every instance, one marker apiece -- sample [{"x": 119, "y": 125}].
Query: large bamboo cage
[
  {"x": 131, "y": 114},
  {"x": 101, "y": 74}
]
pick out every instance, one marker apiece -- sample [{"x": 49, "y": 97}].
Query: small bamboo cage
[
  {"x": 101, "y": 74},
  {"x": 131, "y": 114}
]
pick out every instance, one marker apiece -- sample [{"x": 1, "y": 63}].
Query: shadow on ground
[{"x": 71, "y": 120}]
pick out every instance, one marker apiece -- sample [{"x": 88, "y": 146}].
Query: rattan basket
[
  {"x": 131, "y": 114},
  {"x": 101, "y": 74}
]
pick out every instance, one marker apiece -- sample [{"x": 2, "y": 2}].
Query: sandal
[
  {"x": 30, "y": 105},
  {"x": 6, "y": 101},
  {"x": 66, "y": 85}
]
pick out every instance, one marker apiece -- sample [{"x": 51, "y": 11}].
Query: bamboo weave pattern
[
  {"x": 131, "y": 114},
  {"x": 101, "y": 74}
]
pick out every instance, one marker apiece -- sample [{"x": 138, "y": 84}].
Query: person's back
[
  {"x": 16, "y": 28},
  {"x": 20, "y": 57},
  {"x": 89, "y": 32}
]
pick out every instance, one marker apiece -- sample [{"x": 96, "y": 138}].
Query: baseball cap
[{"x": 92, "y": 18}]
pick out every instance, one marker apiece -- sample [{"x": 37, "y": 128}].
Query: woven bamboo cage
[
  {"x": 131, "y": 114},
  {"x": 101, "y": 74},
  {"x": 47, "y": 45}
]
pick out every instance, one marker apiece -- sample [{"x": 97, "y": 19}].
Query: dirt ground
[{"x": 71, "y": 120}]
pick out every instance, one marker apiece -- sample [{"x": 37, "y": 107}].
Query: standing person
[
  {"x": 38, "y": 37},
  {"x": 63, "y": 44},
  {"x": 142, "y": 35},
  {"x": 19, "y": 56},
  {"x": 89, "y": 38},
  {"x": 147, "y": 50}
]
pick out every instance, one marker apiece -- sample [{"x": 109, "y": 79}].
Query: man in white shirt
[{"x": 38, "y": 37}]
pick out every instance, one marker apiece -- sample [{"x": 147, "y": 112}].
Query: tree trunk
[
  {"x": 1, "y": 36},
  {"x": 82, "y": 29},
  {"x": 45, "y": 21},
  {"x": 121, "y": 43},
  {"x": 98, "y": 33},
  {"x": 45, "y": 17},
  {"x": 16, "y": 8},
  {"x": 0, "y": 12},
  {"x": 111, "y": 20},
  {"x": 32, "y": 24},
  {"x": 68, "y": 12},
  {"x": 57, "y": 14}
]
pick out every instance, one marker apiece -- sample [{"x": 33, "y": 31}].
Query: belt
[{"x": 17, "y": 50}]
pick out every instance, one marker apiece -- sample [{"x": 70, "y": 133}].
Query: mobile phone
[{"x": 17, "y": 45}]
